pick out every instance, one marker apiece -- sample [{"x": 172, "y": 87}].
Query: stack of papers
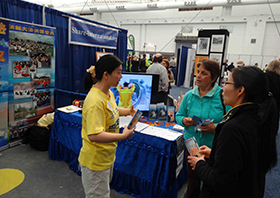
[
  {"x": 161, "y": 132},
  {"x": 69, "y": 109},
  {"x": 151, "y": 130}
]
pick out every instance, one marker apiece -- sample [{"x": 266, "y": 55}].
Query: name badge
[{"x": 109, "y": 106}]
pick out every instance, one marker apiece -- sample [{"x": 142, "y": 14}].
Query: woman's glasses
[{"x": 229, "y": 83}]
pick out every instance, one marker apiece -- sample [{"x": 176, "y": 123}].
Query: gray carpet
[{"x": 45, "y": 178}]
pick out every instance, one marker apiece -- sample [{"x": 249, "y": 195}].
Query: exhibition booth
[{"x": 44, "y": 57}]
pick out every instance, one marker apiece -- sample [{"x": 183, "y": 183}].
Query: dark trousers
[{"x": 193, "y": 183}]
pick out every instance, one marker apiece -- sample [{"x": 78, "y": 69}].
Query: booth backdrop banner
[
  {"x": 4, "y": 55},
  {"x": 3, "y": 119},
  {"x": 4, "y": 63},
  {"x": 31, "y": 75},
  {"x": 84, "y": 33}
]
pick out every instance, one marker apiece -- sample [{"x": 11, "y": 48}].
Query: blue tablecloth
[{"x": 145, "y": 166}]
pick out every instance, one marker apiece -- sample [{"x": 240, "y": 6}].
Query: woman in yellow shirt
[{"x": 100, "y": 126}]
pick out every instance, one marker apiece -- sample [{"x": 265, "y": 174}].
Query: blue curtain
[
  {"x": 182, "y": 65},
  {"x": 21, "y": 11},
  {"x": 71, "y": 60}
]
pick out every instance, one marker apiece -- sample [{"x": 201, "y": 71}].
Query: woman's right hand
[
  {"x": 188, "y": 121},
  {"x": 204, "y": 150},
  {"x": 127, "y": 133}
]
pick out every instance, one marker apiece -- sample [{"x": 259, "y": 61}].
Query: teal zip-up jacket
[{"x": 208, "y": 107}]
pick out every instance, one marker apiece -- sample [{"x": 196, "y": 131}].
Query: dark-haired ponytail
[
  {"x": 255, "y": 83},
  {"x": 267, "y": 153},
  {"x": 89, "y": 81}
]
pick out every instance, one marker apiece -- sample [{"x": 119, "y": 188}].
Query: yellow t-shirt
[
  {"x": 125, "y": 96},
  {"x": 100, "y": 113}
]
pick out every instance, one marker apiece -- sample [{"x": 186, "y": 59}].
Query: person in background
[
  {"x": 272, "y": 71},
  {"x": 128, "y": 62},
  {"x": 226, "y": 65},
  {"x": 142, "y": 64},
  {"x": 172, "y": 63},
  {"x": 135, "y": 64},
  {"x": 205, "y": 102},
  {"x": 230, "y": 67},
  {"x": 157, "y": 68},
  {"x": 166, "y": 64},
  {"x": 240, "y": 63},
  {"x": 256, "y": 64},
  {"x": 100, "y": 126},
  {"x": 244, "y": 147}
]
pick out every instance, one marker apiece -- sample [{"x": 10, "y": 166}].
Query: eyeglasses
[{"x": 229, "y": 83}]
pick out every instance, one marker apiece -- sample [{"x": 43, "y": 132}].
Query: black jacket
[
  {"x": 274, "y": 86},
  {"x": 232, "y": 167}
]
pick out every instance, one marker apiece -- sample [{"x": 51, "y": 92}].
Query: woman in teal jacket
[{"x": 203, "y": 101}]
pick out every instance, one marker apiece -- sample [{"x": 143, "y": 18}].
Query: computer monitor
[{"x": 139, "y": 89}]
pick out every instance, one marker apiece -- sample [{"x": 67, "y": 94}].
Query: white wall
[{"x": 248, "y": 22}]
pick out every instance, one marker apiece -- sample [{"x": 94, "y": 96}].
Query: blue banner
[
  {"x": 3, "y": 119},
  {"x": 4, "y": 55},
  {"x": 82, "y": 33}
]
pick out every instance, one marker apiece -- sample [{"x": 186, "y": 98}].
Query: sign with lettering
[{"x": 89, "y": 34}]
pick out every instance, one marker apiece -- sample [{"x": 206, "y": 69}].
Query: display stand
[{"x": 212, "y": 44}]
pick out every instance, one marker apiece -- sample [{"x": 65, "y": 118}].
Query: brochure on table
[{"x": 151, "y": 130}]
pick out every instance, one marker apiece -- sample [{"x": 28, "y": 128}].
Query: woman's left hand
[
  {"x": 192, "y": 160},
  {"x": 209, "y": 128},
  {"x": 132, "y": 111}
]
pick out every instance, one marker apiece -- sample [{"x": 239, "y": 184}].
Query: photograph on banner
[
  {"x": 25, "y": 110},
  {"x": 42, "y": 80},
  {"x": 41, "y": 60},
  {"x": 17, "y": 129},
  {"x": 217, "y": 43},
  {"x": 22, "y": 69},
  {"x": 217, "y": 57},
  {"x": 100, "y": 54},
  {"x": 27, "y": 44},
  {"x": 24, "y": 89},
  {"x": 4, "y": 56},
  {"x": 43, "y": 99},
  {"x": 197, "y": 59},
  {"x": 203, "y": 45}
]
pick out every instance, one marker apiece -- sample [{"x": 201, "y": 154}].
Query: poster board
[
  {"x": 30, "y": 65},
  {"x": 212, "y": 44}
]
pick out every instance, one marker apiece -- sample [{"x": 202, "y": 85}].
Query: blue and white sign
[{"x": 89, "y": 34}]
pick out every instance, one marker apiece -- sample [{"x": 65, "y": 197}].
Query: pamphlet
[
  {"x": 200, "y": 122},
  {"x": 171, "y": 113},
  {"x": 192, "y": 147},
  {"x": 135, "y": 119},
  {"x": 161, "y": 110},
  {"x": 152, "y": 112}
]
